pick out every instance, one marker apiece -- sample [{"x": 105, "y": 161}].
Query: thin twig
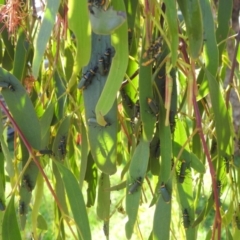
[
  {"x": 30, "y": 150},
  {"x": 234, "y": 63},
  {"x": 217, "y": 220}
]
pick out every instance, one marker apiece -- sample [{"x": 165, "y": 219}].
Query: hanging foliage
[{"x": 115, "y": 114}]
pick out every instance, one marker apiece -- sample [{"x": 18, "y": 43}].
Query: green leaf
[
  {"x": 45, "y": 122},
  {"x": 20, "y": 58},
  {"x": 189, "y": 157},
  {"x": 206, "y": 209},
  {"x": 80, "y": 25},
  {"x": 145, "y": 92},
  {"x": 60, "y": 190},
  {"x": 220, "y": 114},
  {"x": 41, "y": 223},
  {"x": 9, "y": 50},
  {"x": 21, "y": 109},
  {"x": 137, "y": 169},
  {"x": 69, "y": 61},
  {"x": 171, "y": 14},
  {"x": 117, "y": 70},
  {"x": 210, "y": 46},
  {"x": 103, "y": 199},
  {"x": 102, "y": 138},
  {"x": 224, "y": 16},
  {"x": 162, "y": 214},
  {"x": 161, "y": 220},
  {"x": 24, "y": 193},
  {"x": 10, "y": 228},
  {"x": 38, "y": 220},
  {"x": 76, "y": 202},
  {"x": 91, "y": 178},
  {"x": 118, "y": 186},
  {"x": 84, "y": 153},
  {"x": 185, "y": 193},
  {"x": 61, "y": 96},
  {"x": 8, "y": 158},
  {"x": 44, "y": 34},
  {"x": 193, "y": 19}
]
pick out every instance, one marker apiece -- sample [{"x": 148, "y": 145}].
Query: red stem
[
  {"x": 30, "y": 150},
  {"x": 217, "y": 220},
  {"x": 234, "y": 63}
]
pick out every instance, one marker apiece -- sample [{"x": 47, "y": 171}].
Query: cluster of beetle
[
  {"x": 153, "y": 51},
  {"x": 153, "y": 107},
  {"x": 102, "y": 67},
  {"x": 61, "y": 148},
  {"x": 165, "y": 192},
  {"x": 165, "y": 195},
  {"x": 26, "y": 179},
  {"x": 28, "y": 185}
]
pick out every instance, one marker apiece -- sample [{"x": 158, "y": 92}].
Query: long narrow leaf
[{"x": 76, "y": 202}]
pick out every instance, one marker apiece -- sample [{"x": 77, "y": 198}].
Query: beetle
[
  {"x": 27, "y": 183},
  {"x": 213, "y": 146},
  {"x": 106, "y": 229},
  {"x": 237, "y": 221},
  {"x": 227, "y": 164},
  {"x": 126, "y": 98},
  {"x": 134, "y": 186},
  {"x": 46, "y": 151},
  {"x": 172, "y": 121},
  {"x": 87, "y": 78},
  {"x": 2, "y": 205},
  {"x": 62, "y": 146},
  {"x": 137, "y": 110},
  {"x": 186, "y": 219},
  {"x": 219, "y": 185},
  {"x": 107, "y": 57},
  {"x": 102, "y": 66},
  {"x": 21, "y": 208},
  {"x": 153, "y": 106},
  {"x": 153, "y": 52},
  {"x": 97, "y": 3},
  {"x": 10, "y": 87},
  {"x": 182, "y": 172},
  {"x": 165, "y": 193},
  {"x": 7, "y": 85},
  {"x": 155, "y": 147}
]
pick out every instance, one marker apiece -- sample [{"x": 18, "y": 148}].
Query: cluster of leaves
[{"x": 142, "y": 98}]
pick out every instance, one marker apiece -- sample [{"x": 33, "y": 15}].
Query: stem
[
  {"x": 217, "y": 220},
  {"x": 30, "y": 150},
  {"x": 234, "y": 63}
]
